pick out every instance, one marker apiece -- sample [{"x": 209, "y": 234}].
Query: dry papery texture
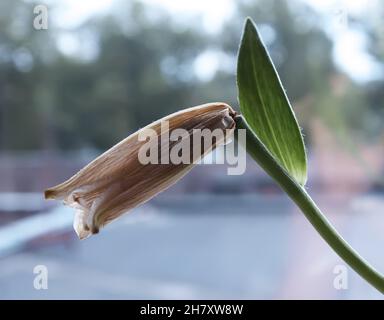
[{"x": 116, "y": 181}]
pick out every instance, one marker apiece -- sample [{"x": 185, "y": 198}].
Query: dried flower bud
[{"x": 118, "y": 181}]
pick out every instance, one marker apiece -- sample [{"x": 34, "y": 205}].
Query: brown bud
[{"x": 117, "y": 181}]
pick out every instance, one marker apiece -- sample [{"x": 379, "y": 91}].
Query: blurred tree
[
  {"x": 140, "y": 68},
  {"x": 66, "y": 102}
]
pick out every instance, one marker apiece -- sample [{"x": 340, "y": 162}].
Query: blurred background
[{"x": 104, "y": 68}]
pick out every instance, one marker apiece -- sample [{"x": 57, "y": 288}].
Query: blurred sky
[{"x": 349, "y": 51}]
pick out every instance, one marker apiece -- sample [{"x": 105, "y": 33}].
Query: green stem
[{"x": 298, "y": 194}]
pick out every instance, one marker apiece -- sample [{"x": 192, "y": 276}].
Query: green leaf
[{"x": 265, "y": 106}]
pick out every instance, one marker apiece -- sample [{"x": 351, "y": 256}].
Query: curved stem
[{"x": 298, "y": 194}]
